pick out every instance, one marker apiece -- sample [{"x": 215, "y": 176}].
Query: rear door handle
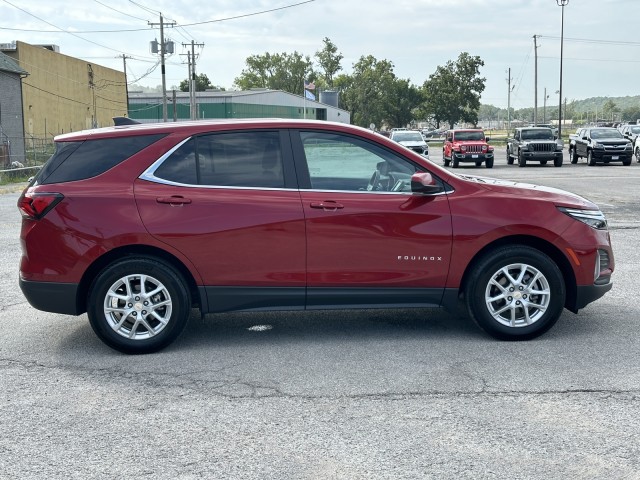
[
  {"x": 328, "y": 205},
  {"x": 174, "y": 200}
]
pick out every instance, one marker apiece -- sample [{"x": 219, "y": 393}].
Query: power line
[
  {"x": 143, "y": 29},
  {"x": 118, "y": 11},
  {"x": 589, "y": 40}
]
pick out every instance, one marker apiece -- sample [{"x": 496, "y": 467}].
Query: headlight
[
  {"x": 593, "y": 218},
  {"x": 597, "y": 145},
  {"x": 559, "y": 147},
  {"x": 628, "y": 146}
]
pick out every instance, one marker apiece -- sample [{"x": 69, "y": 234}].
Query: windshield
[
  {"x": 605, "y": 133},
  {"x": 408, "y": 137},
  {"x": 538, "y": 134},
  {"x": 468, "y": 136},
  {"x": 635, "y": 129}
]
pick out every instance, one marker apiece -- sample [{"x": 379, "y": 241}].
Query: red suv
[
  {"x": 137, "y": 224},
  {"x": 467, "y": 145}
]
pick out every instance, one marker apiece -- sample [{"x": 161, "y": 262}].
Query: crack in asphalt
[{"x": 258, "y": 390}]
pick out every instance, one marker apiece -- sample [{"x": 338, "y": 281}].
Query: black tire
[
  {"x": 454, "y": 162},
  {"x": 557, "y": 162},
  {"x": 478, "y": 164},
  {"x": 574, "y": 156},
  {"x": 509, "y": 157},
  {"x": 527, "y": 314},
  {"x": 590, "y": 160},
  {"x": 116, "y": 321},
  {"x": 626, "y": 162},
  {"x": 522, "y": 162},
  {"x": 638, "y": 154},
  {"x": 445, "y": 159},
  {"x": 488, "y": 163},
  {"x": 543, "y": 162}
]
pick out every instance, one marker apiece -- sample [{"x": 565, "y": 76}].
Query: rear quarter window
[{"x": 89, "y": 158}]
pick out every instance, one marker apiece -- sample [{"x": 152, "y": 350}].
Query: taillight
[{"x": 35, "y": 205}]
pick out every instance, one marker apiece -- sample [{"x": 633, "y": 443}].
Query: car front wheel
[
  {"x": 138, "y": 305},
  {"x": 590, "y": 160},
  {"x": 515, "y": 293}
]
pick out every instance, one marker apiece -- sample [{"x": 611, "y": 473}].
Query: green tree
[
  {"x": 202, "y": 83},
  {"x": 329, "y": 61},
  {"x": 452, "y": 93},
  {"x": 401, "y": 101},
  {"x": 279, "y": 71},
  {"x": 365, "y": 93},
  {"x": 609, "y": 109}
]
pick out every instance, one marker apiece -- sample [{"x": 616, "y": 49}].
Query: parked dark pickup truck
[
  {"x": 537, "y": 144},
  {"x": 603, "y": 145}
]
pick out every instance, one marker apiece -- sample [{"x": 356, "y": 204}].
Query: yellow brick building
[{"x": 63, "y": 94}]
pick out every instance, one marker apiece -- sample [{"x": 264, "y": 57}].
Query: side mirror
[
  {"x": 585, "y": 138},
  {"x": 487, "y": 139},
  {"x": 423, "y": 182}
]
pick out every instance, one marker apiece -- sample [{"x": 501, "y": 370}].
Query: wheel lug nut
[
  {"x": 146, "y": 303},
  {"x": 144, "y": 312},
  {"x": 135, "y": 314},
  {"x": 521, "y": 288},
  {"x": 137, "y": 298},
  {"x": 518, "y": 302},
  {"x": 511, "y": 289},
  {"x": 510, "y": 298},
  {"x": 130, "y": 305}
]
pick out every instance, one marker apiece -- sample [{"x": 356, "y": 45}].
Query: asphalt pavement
[{"x": 404, "y": 394}]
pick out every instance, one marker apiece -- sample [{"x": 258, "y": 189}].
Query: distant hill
[{"x": 626, "y": 109}]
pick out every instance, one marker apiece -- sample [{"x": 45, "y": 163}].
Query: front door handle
[
  {"x": 174, "y": 200},
  {"x": 328, "y": 205}
]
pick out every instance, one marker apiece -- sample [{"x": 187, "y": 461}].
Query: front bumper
[
  {"x": 586, "y": 294},
  {"x": 605, "y": 156},
  {"x": 541, "y": 156},
  {"x": 472, "y": 157}
]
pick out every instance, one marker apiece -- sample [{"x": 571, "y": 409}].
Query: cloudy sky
[{"x": 601, "y": 48}]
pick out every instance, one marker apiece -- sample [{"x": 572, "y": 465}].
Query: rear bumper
[{"x": 52, "y": 297}]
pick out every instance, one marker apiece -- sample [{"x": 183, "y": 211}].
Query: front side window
[
  {"x": 341, "y": 162},
  {"x": 236, "y": 159}
]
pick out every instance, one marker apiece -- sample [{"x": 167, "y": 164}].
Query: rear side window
[
  {"x": 237, "y": 159},
  {"x": 86, "y": 159}
]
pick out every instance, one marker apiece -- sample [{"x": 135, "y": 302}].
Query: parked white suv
[{"x": 411, "y": 139}]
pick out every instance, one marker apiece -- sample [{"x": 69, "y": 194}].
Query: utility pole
[
  {"x": 126, "y": 84},
  {"x": 191, "y": 57},
  {"x": 509, "y": 100},
  {"x": 535, "y": 89},
  {"x": 163, "y": 50}
]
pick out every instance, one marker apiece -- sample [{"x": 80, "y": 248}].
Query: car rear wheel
[
  {"x": 574, "y": 156},
  {"x": 590, "y": 160},
  {"x": 515, "y": 293},
  {"x": 509, "y": 157},
  {"x": 138, "y": 305}
]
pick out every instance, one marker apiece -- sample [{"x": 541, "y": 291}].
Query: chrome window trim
[{"x": 149, "y": 176}]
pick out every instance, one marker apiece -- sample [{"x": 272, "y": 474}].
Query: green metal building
[{"x": 262, "y": 103}]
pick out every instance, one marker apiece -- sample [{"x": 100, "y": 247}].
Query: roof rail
[{"x": 119, "y": 121}]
